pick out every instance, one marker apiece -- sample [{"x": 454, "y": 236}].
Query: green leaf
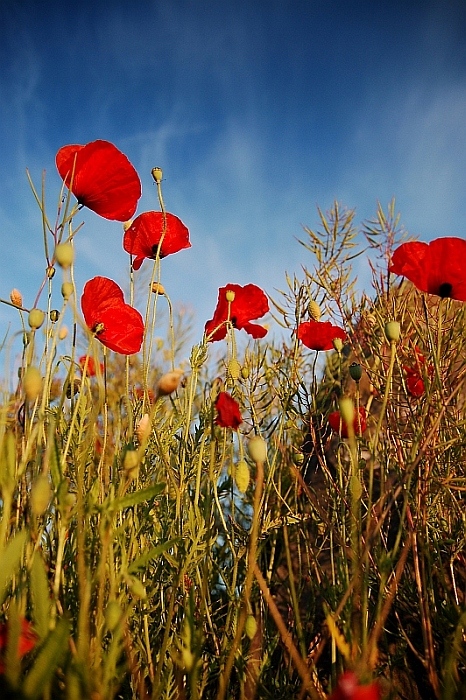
[
  {"x": 40, "y": 594},
  {"x": 153, "y": 553},
  {"x": 49, "y": 659},
  {"x": 132, "y": 499},
  {"x": 11, "y": 559}
]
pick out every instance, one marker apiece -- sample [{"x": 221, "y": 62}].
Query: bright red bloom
[
  {"x": 339, "y": 426},
  {"x": 91, "y": 370},
  {"x": 228, "y": 413},
  {"x": 143, "y": 237},
  {"x": 414, "y": 375},
  {"x": 438, "y": 267},
  {"x": 101, "y": 178},
  {"x": 249, "y": 303},
  {"x": 26, "y": 642},
  {"x": 348, "y": 688},
  {"x": 117, "y": 325},
  {"x": 319, "y": 335}
]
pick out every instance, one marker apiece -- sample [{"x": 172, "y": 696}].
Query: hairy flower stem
[{"x": 252, "y": 556}]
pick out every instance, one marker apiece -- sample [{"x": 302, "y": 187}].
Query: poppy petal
[
  {"x": 228, "y": 413},
  {"x": 319, "y": 335},
  {"x": 122, "y": 326},
  {"x": 437, "y": 267},
  {"x": 249, "y": 303},
  {"x": 150, "y": 229},
  {"x": 103, "y": 179}
]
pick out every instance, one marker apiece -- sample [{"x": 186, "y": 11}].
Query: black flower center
[
  {"x": 233, "y": 321},
  {"x": 445, "y": 290},
  {"x": 98, "y": 328}
]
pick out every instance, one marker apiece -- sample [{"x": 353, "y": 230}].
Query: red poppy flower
[
  {"x": 150, "y": 229},
  {"x": 26, "y": 642},
  {"x": 414, "y": 375},
  {"x": 117, "y": 325},
  {"x": 101, "y": 178},
  {"x": 438, "y": 267},
  {"x": 228, "y": 413},
  {"x": 348, "y": 688},
  {"x": 319, "y": 335},
  {"x": 248, "y": 302},
  {"x": 91, "y": 370},
  {"x": 339, "y": 426}
]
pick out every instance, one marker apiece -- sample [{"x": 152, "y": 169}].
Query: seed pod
[
  {"x": 314, "y": 310},
  {"x": 245, "y": 372},
  {"x": 40, "y": 495},
  {"x": 257, "y": 448},
  {"x": 143, "y": 428},
  {"x": 168, "y": 383},
  {"x": 355, "y": 371},
  {"x": 250, "y": 627},
  {"x": 32, "y": 383},
  {"x": 54, "y": 315},
  {"x": 113, "y": 615},
  {"x": 157, "y": 174},
  {"x": 242, "y": 476},
  {"x": 392, "y": 331},
  {"x": 230, "y": 295},
  {"x": 73, "y": 387},
  {"x": 234, "y": 369},
  {"x": 36, "y": 319},
  {"x": 67, "y": 290},
  {"x": 64, "y": 255},
  {"x": 158, "y": 288},
  {"x": 337, "y": 344}
]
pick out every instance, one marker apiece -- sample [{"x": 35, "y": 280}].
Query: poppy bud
[
  {"x": 136, "y": 588},
  {"x": 16, "y": 297},
  {"x": 73, "y": 388},
  {"x": 392, "y": 331},
  {"x": 234, "y": 368},
  {"x": 337, "y": 344},
  {"x": 157, "y": 174},
  {"x": 143, "y": 428},
  {"x": 157, "y": 288},
  {"x": 113, "y": 615},
  {"x": 54, "y": 315},
  {"x": 32, "y": 383},
  {"x": 64, "y": 254},
  {"x": 242, "y": 476},
  {"x": 230, "y": 295},
  {"x": 131, "y": 463},
  {"x": 245, "y": 372},
  {"x": 250, "y": 627},
  {"x": 355, "y": 371},
  {"x": 257, "y": 448},
  {"x": 63, "y": 332},
  {"x": 36, "y": 318},
  {"x": 67, "y": 290},
  {"x": 40, "y": 495},
  {"x": 314, "y": 310},
  {"x": 168, "y": 383},
  {"x": 347, "y": 411},
  {"x": 50, "y": 272}
]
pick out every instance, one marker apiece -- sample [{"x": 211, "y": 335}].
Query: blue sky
[{"x": 256, "y": 111}]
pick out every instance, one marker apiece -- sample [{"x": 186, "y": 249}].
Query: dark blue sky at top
[{"x": 257, "y": 112}]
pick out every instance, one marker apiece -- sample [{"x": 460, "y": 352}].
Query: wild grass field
[{"x": 275, "y": 511}]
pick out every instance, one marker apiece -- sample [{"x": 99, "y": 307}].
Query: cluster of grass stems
[{"x": 150, "y": 570}]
